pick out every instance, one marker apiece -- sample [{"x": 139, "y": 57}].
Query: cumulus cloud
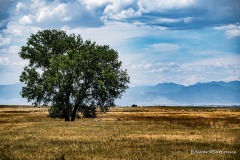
[
  {"x": 171, "y": 13},
  {"x": 204, "y": 13},
  {"x": 227, "y": 27},
  {"x": 25, "y": 20},
  {"x": 127, "y": 9},
  {"x": 20, "y": 6},
  {"x": 141, "y": 5},
  {"x": 234, "y": 33},
  {"x": 53, "y": 11},
  {"x": 137, "y": 30},
  {"x": 56, "y": 13},
  {"x": 231, "y": 30}
]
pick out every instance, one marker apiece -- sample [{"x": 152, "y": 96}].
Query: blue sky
[{"x": 180, "y": 41}]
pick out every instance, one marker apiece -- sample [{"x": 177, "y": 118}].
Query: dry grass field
[{"x": 123, "y": 133}]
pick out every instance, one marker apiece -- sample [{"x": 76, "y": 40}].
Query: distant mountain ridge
[{"x": 216, "y": 93}]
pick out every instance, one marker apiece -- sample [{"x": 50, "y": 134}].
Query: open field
[{"x": 123, "y": 133}]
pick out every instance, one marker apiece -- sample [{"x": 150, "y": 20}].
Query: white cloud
[
  {"x": 225, "y": 68},
  {"x": 142, "y": 67},
  {"x": 48, "y": 12},
  {"x": 158, "y": 5},
  {"x": 113, "y": 6},
  {"x": 66, "y": 18},
  {"x": 233, "y": 33},
  {"x": 25, "y": 20},
  {"x": 156, "y": 67},
  {"x": 20, "y": 6},
  {"x": 226, "y": 60},
  {"x": 227, "y": 27},
  {"x": 212, "y": 69},
  {"x": 122, "y": 9},
  {"x": 162, "y": 20},
  {"x": 93, "y": 4},
  {"x": 122, "y": 35},
  {"x": 19, "y": 31},
  {"x": 163, "y": 47},
  {"x": 209, "y": 52},
  {"x": 125, "y": 14},
  {"x": 4, "y": 41},
  {"x": 56, "y": 13},
  {"x": 14, "y": 49},
  {"x": 167, "y": 20},
  {"x": 187, "y": 19},
  {"x": 10, "y": 76},
  {"x": 10, "y": 51},
  {"x": 4, "y": 60},
  {"x": 112, "y": 33},
  {"x": 36, "y": 4},
  {"x": 192, "y": 79},
  {"x": 219, "y": 64},
  {"x": 231, "y": 30}
]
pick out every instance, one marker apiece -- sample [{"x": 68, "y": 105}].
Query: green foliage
[
  {"x": 89, "y": 111},
  {"x": 56, "y": 112},
  {"x": 68, "y": 73}
]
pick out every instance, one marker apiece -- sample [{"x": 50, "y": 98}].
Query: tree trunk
[
  {"x": 74, "y": 112},
  {"x": 66, "y": 116}
]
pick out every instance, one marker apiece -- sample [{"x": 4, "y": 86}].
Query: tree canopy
[{"x": 70, "y": 74}]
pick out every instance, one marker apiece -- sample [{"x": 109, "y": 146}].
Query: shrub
[
  {"x": 89, "y": 111},
  {"x": 55, "y": 112}
]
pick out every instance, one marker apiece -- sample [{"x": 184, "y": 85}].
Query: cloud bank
[{"x": 181, "y": 41}]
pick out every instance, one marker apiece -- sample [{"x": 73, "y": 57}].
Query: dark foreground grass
[{"x": 123, "y": 133}]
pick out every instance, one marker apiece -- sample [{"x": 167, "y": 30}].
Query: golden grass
[{"x": 122, "y": 133}]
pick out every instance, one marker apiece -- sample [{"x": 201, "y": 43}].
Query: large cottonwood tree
[{"x": 70, "y": 74}]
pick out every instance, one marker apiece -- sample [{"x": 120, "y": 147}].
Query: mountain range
[{"x": 211, "y": 93}]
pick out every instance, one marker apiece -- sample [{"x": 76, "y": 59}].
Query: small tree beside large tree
[{"x": 71, "y": 75}]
